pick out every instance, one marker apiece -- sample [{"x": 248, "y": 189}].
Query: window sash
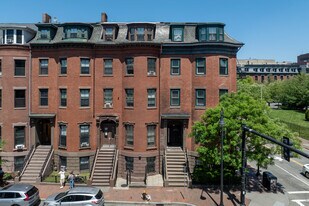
[
  {"x": 108, "y": 96},
  {"x": 43, "y": 97},
  {"x": 63, "y": 97},
  {"x": 129, "y": 66},
  {"x": 63, "y": 66},
  {"x": 84, "y": 134},
  {"x": 129, "y": 135},
  {"x": 177, "y": 32},
  {"x": 84, "y": 97},
  {"x": 19, "y": 68},
  {"x": 151, "y": 135},
  {"x": 175, "y": 66},
  {"x": 18, "y": 163},
  {"x": 20, "y": 98},
  {"x": 151, "y": 97},
  {"x": 203, "y": 34},
  {"x": 19, "y": 135},
  {"x": 200, "y": 66},
  {"x": 200, "y": 99},
  {"x": 84, "y": 163},
  {"x": 151, "y": 64},
  {"x": 108, "y": 66},
  {"x": 129, "y": 97},
  {"x": 223, "y": 66},
  {"x": 175, "y": 97},
  {"x": 19, "y": 36},
  {"x": 84, "y": 66},
  {"x": 129, "y": 163},
  {"x": 43, "y": 66},
  {"x": 63, "y": 136},
  {"x": 212, "y": 33},
  {"x": 151, "y": 164}
]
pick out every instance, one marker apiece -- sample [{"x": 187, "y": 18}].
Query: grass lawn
[{"x": 295, "y": 120}]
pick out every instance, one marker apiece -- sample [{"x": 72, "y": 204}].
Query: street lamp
[{"x": 222, "y": 136}]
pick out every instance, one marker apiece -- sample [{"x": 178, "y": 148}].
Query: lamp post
[{"x": 222, "y": 136}]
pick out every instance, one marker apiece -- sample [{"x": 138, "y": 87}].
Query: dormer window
[
  {"x": 109, "y": 34},
  {"x": 141, "y": 33},
  {"x": 44, "y": 34},
  {"x": 12, "y": 36},
  {"x": 177, "y": 34},
  {"x": 76, "y": 32},
  {"x": 210, "y": 33}
]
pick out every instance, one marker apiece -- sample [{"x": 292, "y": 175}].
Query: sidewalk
[{"x": 195, "y": 196}]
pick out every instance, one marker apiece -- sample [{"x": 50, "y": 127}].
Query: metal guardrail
[
  {"x": 27, "y": 159},
  {"x": 115, "y": 166},
  {"x": 44, "y": 167},
  {"x": 165, "y": 168},
  {"x": 94, "y": 163},
  {"x": 188, "y": 168}
]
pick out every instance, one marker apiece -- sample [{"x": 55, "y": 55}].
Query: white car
[{"x": 306, "y": 170}]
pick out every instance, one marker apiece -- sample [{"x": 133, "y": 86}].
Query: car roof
[
  {"x": 18, "y": 187},
  {"x": 84, "y": 190}
]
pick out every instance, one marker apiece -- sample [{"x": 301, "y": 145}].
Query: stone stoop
[
  {"x": 35, "y": 165},
  {"x": 175, "y": 163},
  {"x": 103, "y": 167}
]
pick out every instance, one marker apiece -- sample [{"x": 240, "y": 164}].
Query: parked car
[
  {"x": 306, "y": 170},
  {"x": 19, "y": 194},
  {"x": 77, "y": 196}
]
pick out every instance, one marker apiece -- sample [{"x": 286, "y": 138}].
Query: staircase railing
[
  {"x": 114, "y": 169},
  {"x": 189, "y": 178},
  {"x": 94, "y": 163},
  {"x": 27, "y": 159},
  {"x": 165, "y": 175},
  {"x": 46, "y": 163}
]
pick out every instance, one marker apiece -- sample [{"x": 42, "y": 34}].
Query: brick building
[{"x": 134, "y": 87}]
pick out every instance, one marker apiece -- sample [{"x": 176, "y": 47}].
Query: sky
[{"x": 270, "y": 29}]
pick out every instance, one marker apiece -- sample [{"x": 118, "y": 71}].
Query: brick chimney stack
[
  {"x": 46, "y": 18},
  {"x": 103, "y": 17}
]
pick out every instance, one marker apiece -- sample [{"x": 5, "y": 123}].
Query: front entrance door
[
  {"x": 175, "y": 133},
  {"x": 43, "y": 128},
  {"x": 108, "y": 132}
]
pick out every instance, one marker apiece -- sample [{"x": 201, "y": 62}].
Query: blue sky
[{"x": 270, "y": 29}]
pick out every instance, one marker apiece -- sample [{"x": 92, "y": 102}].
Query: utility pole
[{"x": 222, "y": 136}]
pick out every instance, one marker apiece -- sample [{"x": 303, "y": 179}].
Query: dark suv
[{"x": 19, "y": 194}]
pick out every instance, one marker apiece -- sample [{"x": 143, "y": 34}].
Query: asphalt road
[{"x": 291, "y": 182}]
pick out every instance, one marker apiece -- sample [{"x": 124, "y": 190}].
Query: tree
[{"x": 238, "y": 108}]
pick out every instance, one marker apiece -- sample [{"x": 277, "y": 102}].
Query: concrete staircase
[
  {"x": 36, "y": 163},
  {"x": 103, "y": 166},
  {"x": 176, "y": 175}
]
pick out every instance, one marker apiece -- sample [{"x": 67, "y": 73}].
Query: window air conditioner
[
  {"x": 84, "y": 144},
  {"x": 19, "y": 146},
  {"x": 151, "y": 73},
  {"x": 108, "y": 105}
]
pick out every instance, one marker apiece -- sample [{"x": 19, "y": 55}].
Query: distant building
[
  {"x": 303, "y": 62},
  {"x": 265, "y": 70}
]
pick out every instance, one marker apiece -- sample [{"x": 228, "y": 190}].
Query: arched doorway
[{"x": 108, "y": 131}]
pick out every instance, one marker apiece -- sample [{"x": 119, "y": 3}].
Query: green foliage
[
  {"x": 239, "y": 108},
  {"x": 307, "y": 115}
]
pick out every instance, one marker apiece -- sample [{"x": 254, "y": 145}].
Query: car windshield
[
  {"x": 60, "y": 195},
  {"x": 99, "y": 195}
]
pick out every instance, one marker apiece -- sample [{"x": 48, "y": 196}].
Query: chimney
[
  {"x": 46, "y": 18},
  {"x": 103, "y": 17}
]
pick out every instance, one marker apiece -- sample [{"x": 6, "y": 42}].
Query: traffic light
[{"x": 286, "y": 151}]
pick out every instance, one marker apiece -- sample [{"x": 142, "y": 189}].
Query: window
[
  {"x": 262, "y": 79},
  {"x": 202, "y": 34},
  {"x": 0, "y": 67},
  {"x": 151, "y": 135},
  {"x": 44, "y": 34},
  {"x": 62, "y": 162},
  {"x": 0, "y": 98},
  {"x": 108, "y": 66},
  {"x": 175, "y": 66},
  {"x": 19, "y": 163},
  {"x": 43, "y": 66},
  {"x": 129, "y": 97},
  {"x": 200, "y": 66},
  {"x": 151, "y": 69},
  {"x": 151, "y": 93},
  {"x": 63, "y": 97},
  {"x": 274, "y": 70},
  {"x": 0, "y": 135},
  {"x": 223, "y": 92},
  {"x": 109, "y": 34},
  {"x": 177, "y": 34},
  {"x": 84, "y": 135},
  {"x": 223, "y": 66},
  {"x": 108, "y": 98},
  {"x": 129, "y": 163},
  {"x": 175, "y": 97},
  {"x": 63, "y": 66},
  {"x": 43, "y": 97},
  {"x": 76, "y": 32},
  {"x": 221, "y": 34},
  {"x": 63, "y": 135},
  {"x": 19, "y": 36},
  {"x": 84, "y": 163},
  {"x": 129, "y": 66},
  {"x": 19, "y": 68},
  {"x": 212, "y": 34},
  {"x": 84, "y": 97},
  {"x": 275, "y": 77},
  {"x": 256, "y": 78},
  {"x": 281, "y": 77},
  {"x": 141, "y": 33},
  {"x": 20, "y": 98},
  {"x": 84, "y": 66},
  {"x": 151, "y": 166},
  {"x": 10, "y": 36},
  {"x": 200, "y": 97},
  {"x": 19, "y": 135},
  {"x": 129, "y": 134}
]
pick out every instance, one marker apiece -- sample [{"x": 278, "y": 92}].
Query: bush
[
  {"x": 7, "y": 176},
  {"x": 307, "y": 115}
]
